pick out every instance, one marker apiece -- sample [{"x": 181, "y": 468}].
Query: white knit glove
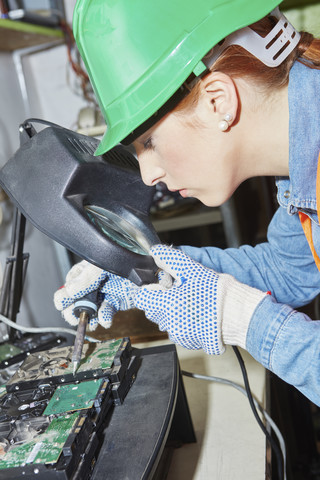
[
  {"x": 201, "y": 309},
  {"x": 114, "y": 293}
]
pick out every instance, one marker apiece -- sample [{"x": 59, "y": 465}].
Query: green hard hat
[{"x": 138, "y": 53}]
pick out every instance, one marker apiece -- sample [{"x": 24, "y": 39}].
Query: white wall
[
  {"x": 40, "y": 90},
  {"x": 10, "y": 107}
]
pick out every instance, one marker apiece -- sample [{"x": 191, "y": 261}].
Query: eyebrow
[{"x": 144, "y": 137}]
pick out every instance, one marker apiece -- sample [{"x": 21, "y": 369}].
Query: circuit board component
[
  {"x": 8, "y": 350},
  {"x": 44, "y": 448},
  {"x": 55, "y": 366},
  {"x": 70, "y": 397},
  {"x": 49, "y": 417}
]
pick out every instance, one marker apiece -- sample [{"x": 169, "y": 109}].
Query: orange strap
[{"x": 306, "y": 221}]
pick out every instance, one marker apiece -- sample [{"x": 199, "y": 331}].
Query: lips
[{"x": 183, "y": 192}]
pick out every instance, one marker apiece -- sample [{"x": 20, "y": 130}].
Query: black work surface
[{"x": 137, "y": 430}]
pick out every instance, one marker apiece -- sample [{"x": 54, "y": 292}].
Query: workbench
[
  {"x": 141, "y": 433},
  {"x": 228, "y": 443}
]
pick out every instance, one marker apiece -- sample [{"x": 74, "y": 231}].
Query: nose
[{"x": 151, "y": 172}]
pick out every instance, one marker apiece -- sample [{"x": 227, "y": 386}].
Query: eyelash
[{"x": 147, "y": 145}]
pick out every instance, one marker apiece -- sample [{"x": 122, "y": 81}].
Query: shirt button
[{"x": 286, "y": 194}]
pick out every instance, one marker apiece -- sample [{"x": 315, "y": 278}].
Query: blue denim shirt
[{"x": 285, "y": 341}]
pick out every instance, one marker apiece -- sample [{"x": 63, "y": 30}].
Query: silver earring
[{"x": 224, "y": 124}]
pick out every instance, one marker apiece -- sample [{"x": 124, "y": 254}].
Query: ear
[{"x": 221, "y": 95}]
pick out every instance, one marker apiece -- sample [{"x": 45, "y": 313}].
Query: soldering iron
[{"x": 85, "y": 308}]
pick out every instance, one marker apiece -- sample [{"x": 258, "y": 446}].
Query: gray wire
[
  {"x": 12, "y": 324},
  {"x": 244, "y": 392}
]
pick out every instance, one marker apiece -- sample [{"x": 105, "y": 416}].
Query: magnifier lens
[{"x": 118, "y": 229}]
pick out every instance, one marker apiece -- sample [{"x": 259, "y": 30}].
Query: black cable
[
  {"x": 41, "y": 121},
  {"x": 272, "y": 442}
]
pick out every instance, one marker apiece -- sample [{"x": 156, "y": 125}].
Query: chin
[
  {"x": 213, "y": 201},
  {"x": 208, "y": 200}
]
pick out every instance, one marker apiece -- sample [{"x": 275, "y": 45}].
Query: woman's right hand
[{"x": 114, "y": 293}]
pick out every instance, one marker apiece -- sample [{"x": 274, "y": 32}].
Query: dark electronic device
[
  {"x": 51, "y": 424},
  {"x": 97, "y": 207}
]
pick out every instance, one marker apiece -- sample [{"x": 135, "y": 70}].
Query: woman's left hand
[{"x": 201, "y": 308}]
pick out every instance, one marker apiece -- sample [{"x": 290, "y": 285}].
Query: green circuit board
[
  {"x": 70, "y": 397},
  {"x": 8, "y": 350},
  {"x": 57, "y": 362},
  {"x": 45, "y": 448},
  {"x": 99, "y": 355}
]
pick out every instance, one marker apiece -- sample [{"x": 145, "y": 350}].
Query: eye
[{"x": 148, "y": 145}]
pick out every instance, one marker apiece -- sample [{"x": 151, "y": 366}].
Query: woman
[{"x": 207, "y": 103}]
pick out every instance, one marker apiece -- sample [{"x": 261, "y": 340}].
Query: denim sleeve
[
  {"x": 283, "y": 265},
  {"x": 287, "y": 342}
]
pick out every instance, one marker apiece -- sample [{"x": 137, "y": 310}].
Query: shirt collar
[{"x": 298, "y": 191}]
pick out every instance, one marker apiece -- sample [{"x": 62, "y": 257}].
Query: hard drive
[
  {"x": 54, "y": 366},
  {"x": 46, "y": 431},
  {"x": 44, "y": 447},
  {"x": 24, "y": 404},
  {"x": 51, "y": 422},
  {"x": 17, "y": 350}
]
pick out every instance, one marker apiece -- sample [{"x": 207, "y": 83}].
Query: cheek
[
  {"x": 172, "y": 159},
  {"x": 199, "y": 162},
  {"x": 215, "y": 197},
  {"x": 218, "y": 187}
]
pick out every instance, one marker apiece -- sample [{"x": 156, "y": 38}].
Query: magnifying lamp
[{"x": 97, "y": 207}]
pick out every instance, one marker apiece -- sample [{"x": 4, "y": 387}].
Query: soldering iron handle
[{"x": 88, "y": 304}]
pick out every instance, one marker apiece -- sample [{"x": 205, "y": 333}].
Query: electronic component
[
  {"x": 15, "y": 433},
  {"x": 16, "y": 351},
  {"x": 50, "y": 421},
  {"x": 29, "y": 440},
  {"x": 8, "y": 350},
  {"x": 70, "y": 397},
  {"x": 43, "y": 447},
  {"x": 53, "y": 440},
  {"x": 3, "y": 390},
  {"x": 8, "y": 372},
  {"x": 55, "y": 366},
  {"x": 120, "y": 388},
  {"x": 25, "y": 404}
]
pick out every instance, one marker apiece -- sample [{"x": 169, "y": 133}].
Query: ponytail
[
  {"x": 308, "y": 50},
  {"x": 236, "y": 62}
]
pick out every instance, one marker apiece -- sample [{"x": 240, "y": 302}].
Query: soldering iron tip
[{"x": 75, "y": 367}]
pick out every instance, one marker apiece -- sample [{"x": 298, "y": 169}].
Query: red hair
[{"x": 236, "y": 62}]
